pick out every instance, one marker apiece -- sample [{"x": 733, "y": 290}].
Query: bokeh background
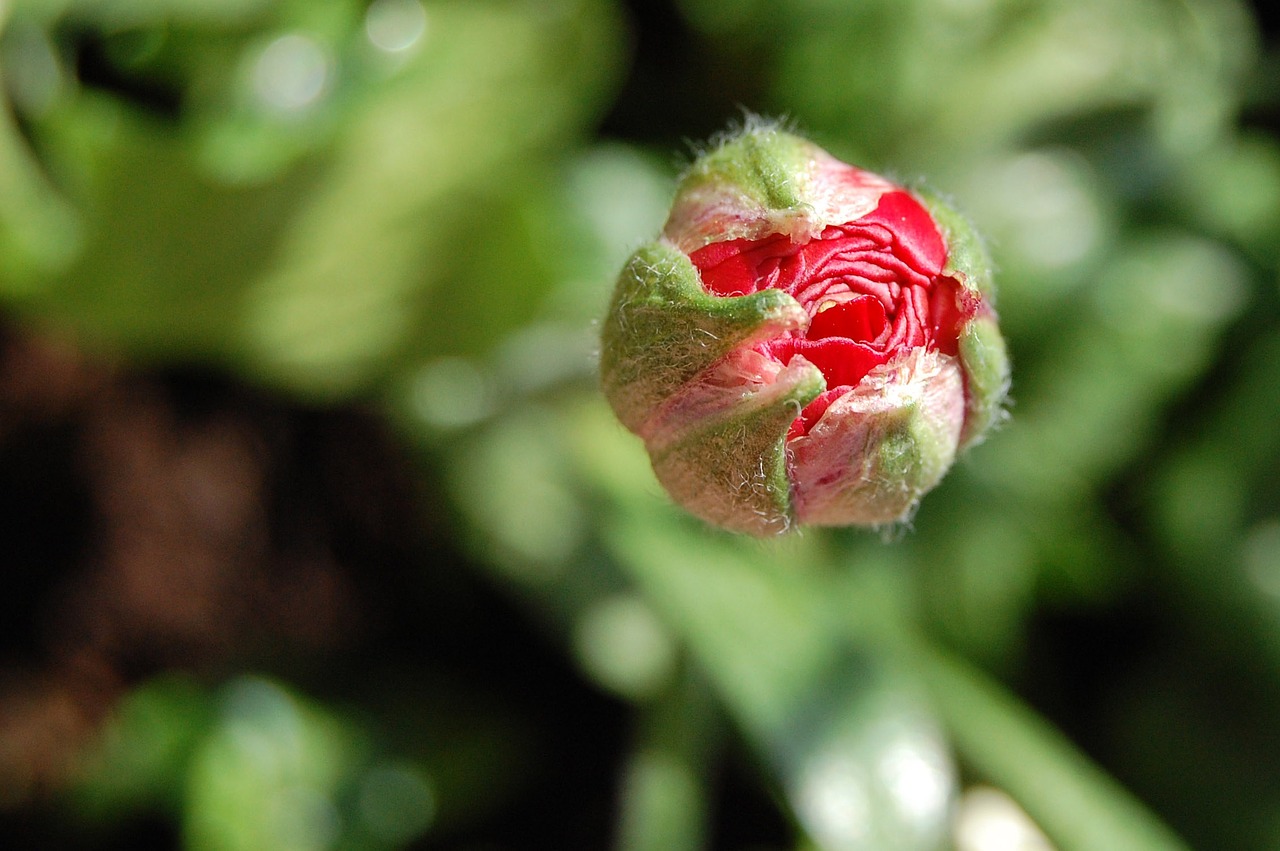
[{"x": 315, "y": 532}]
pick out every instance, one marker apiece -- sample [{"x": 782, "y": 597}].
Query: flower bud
[{"x": 806, "y": 342}]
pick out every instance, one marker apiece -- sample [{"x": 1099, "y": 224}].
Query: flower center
[{"x": 873, "y": 289}]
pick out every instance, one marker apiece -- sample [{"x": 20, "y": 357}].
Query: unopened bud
[{"x": 806, "y": 342}]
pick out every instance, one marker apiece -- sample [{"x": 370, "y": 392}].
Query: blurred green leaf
[
  {"x": 1077, "y": 805},
  {"x": 355, "y": 255},
  {"x": 142, "y": 757}
]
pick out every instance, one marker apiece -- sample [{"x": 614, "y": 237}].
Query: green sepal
[
  {"x": 967, "y": 257},
  {"x": 983, "y": 354},
  {"x": 985, "y": 361},
  {"x": 732, "y": 472},
  {"x": 760, "y": 163},
  {"x": 756, "y": 183},
  {"x": 912, "y": 456},
  {"x": 663, "y": 330}
]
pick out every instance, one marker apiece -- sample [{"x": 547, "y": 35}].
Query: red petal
[
  {"x": 862, "y": 319},
  {"x": 734, "y": 267},
  {"x": 950, "y": 306},
  {"x": 726, "y": 269},
  {"x": 842, "y": 361},
  {"x": 813, "y": 412},
  {"x": 889, "y": 261},
  {"x": 917, "y": 234}
]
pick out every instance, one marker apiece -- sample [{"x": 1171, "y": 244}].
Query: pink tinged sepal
[
  {"x": 984, "y": 359},
  {"x": 678, "y": 368},
  {"x": 720, "y": 451},
  {"x": 765, "y": 182},
  {"x": 879, "y": 448}
]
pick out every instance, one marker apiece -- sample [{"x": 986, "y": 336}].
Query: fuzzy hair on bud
[{"x": 806, "y": 343}]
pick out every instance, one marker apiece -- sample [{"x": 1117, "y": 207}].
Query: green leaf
[{"x": 1080, "y": 807}]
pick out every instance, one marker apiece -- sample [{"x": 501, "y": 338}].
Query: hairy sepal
[
  {"x": 879, "y": 448},
  {"x": 663, "y": 331}
]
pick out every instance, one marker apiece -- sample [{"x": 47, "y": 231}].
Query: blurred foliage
[{"x": 418, "y": 208}]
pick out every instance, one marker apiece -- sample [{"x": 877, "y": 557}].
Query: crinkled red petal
[
  {"x": 914, "y": 231},
  {"x": 862, "y": 318},
  {"x": 873, "y": 289}
]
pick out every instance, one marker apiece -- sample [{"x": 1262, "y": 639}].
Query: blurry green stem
[
  {"x": 664, "y": 804},
  {"x": 1078, "y": 805}
]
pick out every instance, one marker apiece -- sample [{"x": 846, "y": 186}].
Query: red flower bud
[{"x": 806, "y": 342}]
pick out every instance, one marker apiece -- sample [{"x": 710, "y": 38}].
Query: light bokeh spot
[
  {"x": 395, "y": 25},
  {"x": 291, "y": 73},
  {"x": 989, "y": 820},
  {"x": 622, "y": 644}
]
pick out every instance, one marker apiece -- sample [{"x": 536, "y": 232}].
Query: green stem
[{"x": 664, "y": 801}]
